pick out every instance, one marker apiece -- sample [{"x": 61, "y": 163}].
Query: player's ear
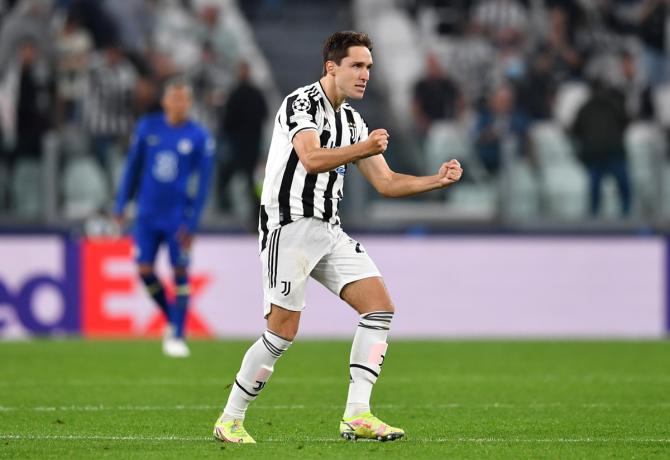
[{"x": 330, "y": 67}]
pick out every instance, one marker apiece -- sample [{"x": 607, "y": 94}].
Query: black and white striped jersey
[{"x": 289, "y": 192}]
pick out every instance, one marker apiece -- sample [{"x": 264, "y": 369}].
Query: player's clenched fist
[
  {"x": 450, "y": 172},
  {"x": 378, "y": 141}
]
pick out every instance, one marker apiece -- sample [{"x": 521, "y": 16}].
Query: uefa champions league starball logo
[{"x": 301, "y": 105}]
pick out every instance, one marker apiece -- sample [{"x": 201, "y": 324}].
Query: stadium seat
[
  {"x": 522, "y": 197},
  {"x": 551, "y": 146},
  {"x": 73, "y": 141},
  {"x": 396, "y": 39},
  {"x": 26, "y": 188},
  {"x": 446, "y": 140},
  {"x": 470, "y": 199},
  {"x": 661, "y": 101},
  {"x": 644, "y": 151},
  {"x": 84, "y": 187},
  {"x": 564, "y": 191}
]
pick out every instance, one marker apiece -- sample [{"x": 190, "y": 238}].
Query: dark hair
[
  {"x": 177, "y": 81},
  {"x": 337, "y": 45}
]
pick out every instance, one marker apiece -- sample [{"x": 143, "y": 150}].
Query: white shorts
[{"x": 310, "y": 247}]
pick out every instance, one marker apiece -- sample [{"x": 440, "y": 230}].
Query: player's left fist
[{"x": 450, "y": 172}]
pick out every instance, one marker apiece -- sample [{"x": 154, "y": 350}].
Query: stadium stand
[{"x": 481, "y": 44}]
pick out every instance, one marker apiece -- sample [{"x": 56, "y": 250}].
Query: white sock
[
  {"x": 367, "y": 357},
  {"x": 257, "y": 366}
]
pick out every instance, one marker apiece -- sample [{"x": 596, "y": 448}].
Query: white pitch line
[
  {"x": 29, "y": 437},
  {"x": 388, "y": 380},
  {"x": 208, "y": 407}
]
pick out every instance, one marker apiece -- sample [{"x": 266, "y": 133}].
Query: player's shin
[
  {"x": 257, "y": 366},
  {"x": 367, "y": 357},
  {"x": 182, "y": 297},
  {"x": 157, "y": 292}
]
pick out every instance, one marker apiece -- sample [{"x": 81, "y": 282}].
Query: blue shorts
[{"x": 148, "y": 239}]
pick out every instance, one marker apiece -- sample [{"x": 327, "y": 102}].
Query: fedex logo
[
  {"x": 39, "y": 286},
  {"x": 53, "y": 286},
  {"x": 114, "y": 302}
]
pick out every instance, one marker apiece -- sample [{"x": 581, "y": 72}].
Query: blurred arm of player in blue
[{"x": 167, "y": 149}]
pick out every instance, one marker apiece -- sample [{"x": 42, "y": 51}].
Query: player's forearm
[
  {"x": 401, "y": 185},
  {"x": 123, "y": 194},
  {"x": 323, "y": 159}
]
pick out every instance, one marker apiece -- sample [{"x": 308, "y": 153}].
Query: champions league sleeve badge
[{"x": 301, "y": 105}]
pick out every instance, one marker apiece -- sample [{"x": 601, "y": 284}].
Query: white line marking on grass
[
  {"x": 388, "y": 380},
  {"x": 102, "y": 407},
  {"x": 29, "y": 437},
  {"x": 215, "y": 407}
]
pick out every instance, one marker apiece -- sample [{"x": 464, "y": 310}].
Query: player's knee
[
  {"x": 283, "y": 323},
  {"x": 385, "y": 306},
  {"x": 286, "y": 331}
]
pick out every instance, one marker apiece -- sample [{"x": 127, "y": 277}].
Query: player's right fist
[{"x": 378, "y": 141}]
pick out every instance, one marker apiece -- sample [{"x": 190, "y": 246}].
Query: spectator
[
  {"x": 652, "y": 28},
  {"x": 504, "y": 21},
  {"x": 176, "y": 35},
  {"x": 566, "y": 61},
  {"x": 635, "y": 88},
  {"x": 222, "y": 41},
  {"x": 471, "y": 62},
  {"x": 211, "y": 83},
  {"x": 27, "y": 91},
  {"x": 93, "y": 16},
  {"x": 500, "y": 126},
  {"x": 73, "y": 49},
  {"x": 28, "y": 20},
  {"x": 134, "y": 20},
  {"x": 599, "y": 134},
  {"x": 35, "y": 90},
  {"x": 243, "y": 119},
  {"x": 436, "y": 96},
  {"x": 109, "y": 102},
  {"x": 538, "y": 90}
]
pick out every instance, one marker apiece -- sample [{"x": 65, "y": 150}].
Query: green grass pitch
[{"x": 455, "y": 399}]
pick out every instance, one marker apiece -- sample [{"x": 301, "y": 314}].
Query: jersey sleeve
[
  {"x": 301, "y": 112},
  {"x": 132, "y": 168},
  {"x": 204, "y": 155}
]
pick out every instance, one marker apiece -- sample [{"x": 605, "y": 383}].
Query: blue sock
[
  {"x": 180, "y": 305},
  {"x": 157, "y": 292}
]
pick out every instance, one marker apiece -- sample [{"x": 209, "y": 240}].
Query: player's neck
[
  {"x": 329, "y": 87},
  {"x": 175, "y": 120}
]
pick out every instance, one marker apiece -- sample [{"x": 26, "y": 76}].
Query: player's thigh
[
  {"x": 290, "y": 254},
  {"x": 180, "y": 257},
  {"x": 349, "y": 272},
  {"x": 146, "y": 241}
]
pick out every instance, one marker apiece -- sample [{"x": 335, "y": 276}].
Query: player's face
[
  {"x": 353, "y": 73},
  {"x": 177, "y": 102}
]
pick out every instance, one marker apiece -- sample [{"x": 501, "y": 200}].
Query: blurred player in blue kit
[{"x": 166, "y": 150}]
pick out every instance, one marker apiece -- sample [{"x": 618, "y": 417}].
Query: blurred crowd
[
  {"x": 495, "y": 69},
  {"x": 87, "y": 69},
  {"x": 498, "y": 67}
]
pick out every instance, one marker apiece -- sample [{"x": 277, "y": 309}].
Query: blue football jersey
[{"x": 161, "y": 159}]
